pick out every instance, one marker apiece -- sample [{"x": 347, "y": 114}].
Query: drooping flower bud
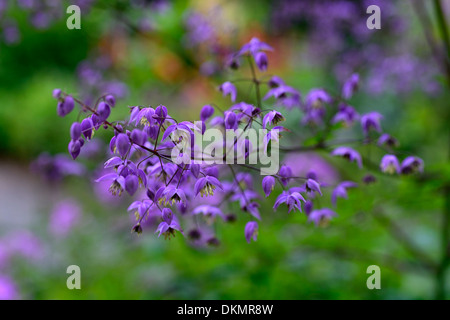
[
  {"x": 103, "y": 111},
  {"x": 268, "y": 183},
  {"x": 261, "y": 61},
  {"x": 110, "y": 100},
  {"x": 57, "y": 93},
  {"x": 131, "y": 184},
  {"x": 74, "y": 148},
  {"x": 75, "y": 131},
  {"x": 122, "y": 144},
  {"x": 206, "y": 113},
  {"x": 86, "y": 128},
  {"x": 251, "y": 231}
]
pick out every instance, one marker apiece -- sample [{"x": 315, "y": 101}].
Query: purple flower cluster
[{"x": 193, "y": 195}]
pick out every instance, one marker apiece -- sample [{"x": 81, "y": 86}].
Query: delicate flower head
[
  {"x": 312, "y": 185},
  {"x": 206, "y": 186},
  {"x": 389, "y": 164},
  {"x": 388, "y": 140},
  {"x": 350, "y": 86},
  {"x": 292, "y": 200},
  {"x": 321, "y": 216},
  {"x": 227, "y": 88},
  {"x": 348, "y": 153},
  {"x": 211, "y": 212},
  {"x": 171, "y": 195},
  {"x": 254, "y": 46},
  {"x": 272, "y": 117},
  {"x": 285, "y": 174},
  {"x": 370, "y": 121},
  {"x": 169, "y": 225},
  {"x": 261, "y": 60},
  {"x": 316, "y": 98},
  {"x": 412, "y": 164},
  {"x": 251, "y": 231},
  {"x": 341, "y": 191},
  {"x": 346, "y": 114}
]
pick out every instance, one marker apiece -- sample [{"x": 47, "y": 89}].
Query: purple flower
[
  {"x": 292, "y": 200},
  {"x": 341, "y": 191},
  {"x": 286, "y": 96},
  {"x": 56, "y": 93},
  {"x": 8, "y": 290},
  {"x": 170, "y": 195},
  {"x": 118, "y": 184},
  {"x": 206, "y": 112},
  {"x": 389, "y": 164},
  {"x": 65, "y": 106},
  {"x": 285, "y": 174},
  {"x": 312, "y": 185},
  {"x": 412, "y": 164},
  {"x": 86, "y": 128},
  {"x": 110, "y": 100},
  {"x": 131, "y": 184},
  {"x": 103, "y": 111},
  {"x": 251, "y": 231},
  {"x": 370, "y": 121},
  {"x": 74, "y": 148},
  {"x": 168, "y": 225},
  {"x": 350, "y": 86},
  {"x": 308, "y": 207},
  {"x": 206, "y": 186},
  {"x": 321, "y": 216},
  {"x": 348, "y": 153},
  {"x": 209, "y": 211},
  {"x": 316, "y": 98},
  {"x": 227, "y": 88},
  {"x": 75, "y": 130},
  {"x": 272, "y": 117},
  {"x": 387, "y": 139},
  {"x": 122, "y": 144},
  {"x": 160, "y": 114},
  {"x": 261, "y": 60},
  {"x": 268, "y": 183},
  {"x": 254, "y": 46},
  {"x": 65, "y": 215},
  {"x": 230, "y": 120},
  {"x": 346, "y": 114}
]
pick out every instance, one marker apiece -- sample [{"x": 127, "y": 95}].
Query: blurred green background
[{"x": 160, "y": 64}]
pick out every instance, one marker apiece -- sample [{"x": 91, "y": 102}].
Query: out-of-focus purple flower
[
  {"x": 261, "y": 61},
  {"x": 65, "y": 215},
  {"x": 389, "y": 164},
  {"x": 227, "y": 88},
  {"x": 168, "y": 225},
  {"x": 321, "y": 216},
  {"x": 210, "y": 212},
  {"x": 254, "y": 46},
  {"x": 308, "y": 207},
  {"x": 346, "y": 114},
  {"x": 412, "y": 164},
  {"x": 8, "y": 290},
  {"x": 286, "y": 96},
  {"x": 350, "y": 86},
  {"x": 387, "y": 139},
  {"x": 268, "y": 183},
  {"x": 348, "y": 153},
  {"x": 206, "y": 112},
  {"x": 370, "y": 121},
  {"x": 57, "y": 167},
  {"x": 341, "y": 191},
  {"x": 56, "y": 93},
  {"x": 110, "y": 100},
  {"x": 251, "y": 231},
  {"x": 285, "y": 174},
  {"x": 316, "y": 98}
]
